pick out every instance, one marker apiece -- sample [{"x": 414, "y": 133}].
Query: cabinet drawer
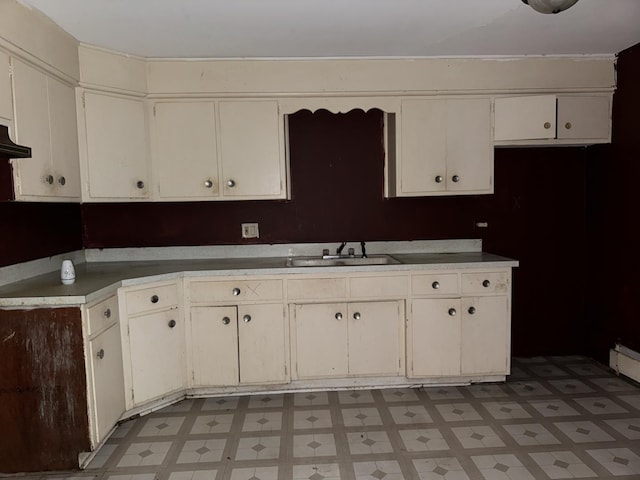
[
  {"x": 103, "y": 314},
  {"x": 236, "y": 291},
  {"x": 154, "y": 298},
  {"x": 435, "y": 284},
  {"x": 316, "y": 288},
  {"x": 487, "y": 282},
  {"x": 371, "y": 287}
]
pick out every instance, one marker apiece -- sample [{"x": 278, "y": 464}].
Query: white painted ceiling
[{"x": 344, "y": 28}]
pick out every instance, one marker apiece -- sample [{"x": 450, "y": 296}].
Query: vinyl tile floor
[{"x": 555, "y": 418}]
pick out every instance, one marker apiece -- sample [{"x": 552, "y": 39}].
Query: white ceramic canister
[{"x": 67, "y": 272}]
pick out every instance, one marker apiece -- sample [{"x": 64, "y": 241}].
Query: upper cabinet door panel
[
  {"x": 525, "y": 118},
  {"x": 584, "y": 117},
  {"x": 250, "y": 153},
  {"x": 185, "y": 153},
  {"x": 116, "y": 146},
  {"x": 6, "y": 103}
]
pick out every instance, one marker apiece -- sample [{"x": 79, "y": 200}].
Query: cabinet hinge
[
  {"x": 84, "y": 105},
  {"x": 154, "y": 110}
]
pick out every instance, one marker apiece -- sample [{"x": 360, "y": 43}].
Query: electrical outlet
[{"x": 250, "y": 230}]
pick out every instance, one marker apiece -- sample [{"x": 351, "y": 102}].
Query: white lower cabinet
[
  {"x": 348, "y": 339},
  {"x": 242, "y": 344}
]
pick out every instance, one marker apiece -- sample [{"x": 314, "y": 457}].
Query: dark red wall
[{"x": 613, "y": 259}]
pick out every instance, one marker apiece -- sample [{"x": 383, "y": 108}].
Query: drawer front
[
  {"x": 373, "y": 287},
  {"x": 236, "y": 291},
  {"x": 103, "y": 314},
  {"x": 434, "y": 284},
  {"x": 153, "y": 298},
  {"x": 487, "y": 282},
  {"x": 316, "y": 288}
]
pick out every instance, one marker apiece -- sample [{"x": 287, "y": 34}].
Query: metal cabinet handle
[
  {"x": 226, "y": 320},
  {"x": 107, "y": 313},
  {"x": 62, "y": 181},
  {"x": 172, "y": 323},
  {"x": 338, "y": 316},
  {"x": 140, "y": 184},
  {"x": 246, "y": 318},
  {"x": 208, "y": 183},
  {"x": 231, "y": 183},
  {"x": 155, "y": 299},
  {"x": 452, "y": 312},
  {"x": 435, "y": 285},
  {"x": 471, "y": 310},
  {"x": 568, "y": 125},
  {"x": 49, "y": 179},
  {"x": 236, "y": 292},
  {"x": 547, "y": 125},
  {"x": 455, "y": 178},
  {"x": 486, "y": 283},
  {"x": 100, "y": 354},
  {"x": 356, "y": 316},
  {"x": 439, "y": 179}
]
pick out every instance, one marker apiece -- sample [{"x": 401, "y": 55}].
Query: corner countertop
[{"x": 95, "y": 279}]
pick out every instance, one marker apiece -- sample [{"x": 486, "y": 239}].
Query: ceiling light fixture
[{"x": 549, "y": 6}]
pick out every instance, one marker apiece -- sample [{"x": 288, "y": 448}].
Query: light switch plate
[{"x": 250, "y": 230}]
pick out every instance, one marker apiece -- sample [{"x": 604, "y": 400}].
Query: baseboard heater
[{"x": 625, "y": 362}]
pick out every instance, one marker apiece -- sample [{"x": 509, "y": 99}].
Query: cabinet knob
[
  {"x": 236, "y": 292},
  {"x": 455, "y": 178},
  {"x": 231, "y": 183},
  {"x": 486, "y": 283},
  {"x": 568, "y": 125},
  {"x": 246, "y": 318},
  {"x": 49, "y": 179},
  {"x": 356, "y": 316},
  {"x": 62, "y": 181},
  {"x": 107, "y": 313},
  {"x": 100, "y": 354},
  {"x": 208, "y": 183},
  {"x": 155, "y": 298},
  {"x": 439, "y": 179},
  {"x": 140, "y": 184},
  {"x": 226, "y": 320},
  {"x": 435, "y": 285},
  {"x": 172, "y": 323},
  {"x": 338, "y": 316},
  {"x": 452, "y": 312},
  {"x": 471, "y": 310},
  {"x": 547, "y": 125}
]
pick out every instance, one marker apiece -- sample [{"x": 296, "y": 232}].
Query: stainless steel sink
[{"x": 340, "y": 261}]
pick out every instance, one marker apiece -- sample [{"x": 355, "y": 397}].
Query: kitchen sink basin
[{"x": 340, "y": 261}]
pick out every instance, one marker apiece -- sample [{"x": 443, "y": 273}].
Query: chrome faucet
[{"x": 351, "y": 251}]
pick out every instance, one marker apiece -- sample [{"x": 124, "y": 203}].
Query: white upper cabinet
[
  {"x": 113, "y": 147},
  {"x": 46, "y": 122},
  {"x": 6, "y": 102},
  {"x": 552, "y": 119},
  {"x": 445, "y": 148},
  {"x": 184, "y": 150}
]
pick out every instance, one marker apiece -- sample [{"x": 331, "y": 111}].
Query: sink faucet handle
[
  {"x": 364, "y": 251},
  {"x": 340, "y": 248},
  {"x": 325, "y": 252}
]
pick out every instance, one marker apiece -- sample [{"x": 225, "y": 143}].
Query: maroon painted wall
[
  {"x": 614, "y": 213},
  {"x": 537, "y": 215}
]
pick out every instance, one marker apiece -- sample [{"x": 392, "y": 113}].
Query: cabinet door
[
  {"x": 34, "y": 175},
  {"x": 321, "y": 340},
  {"x": 64, "y": 139},
  {"x": 116, "y": 143},
  {"x": 469, "y": 145},
  {"x": 424, "y": 146},
  {"x": 485, "y": 335},
  {"x": 262, "y": 348},
  {"x": 435, "y": 337},
  {"x": 375, "y": 340},
  {"x": 214, "y": 337},
  {"x": 157, "y": 354},
  {"x": 584, "y": 117},
  {"x": 6, "y": 102},
  {"x": 185, "y": 155},
  {"x": 108, "y": 381},
  {"x": 252, "y": 165},
  {"x": 525, "y": 118}
]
